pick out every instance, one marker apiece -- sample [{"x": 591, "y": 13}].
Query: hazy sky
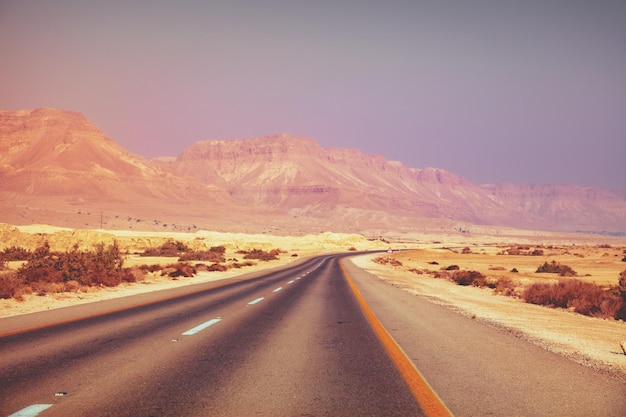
[{"x": 528, "y": 91}]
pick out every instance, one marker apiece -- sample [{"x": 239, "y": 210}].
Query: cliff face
[
  {"x": 297, "y": 175},
  {"x": 60, "y": 153},
  {"x": 56, "y": 165}
]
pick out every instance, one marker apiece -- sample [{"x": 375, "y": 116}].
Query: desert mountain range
[{"x": 57, "y": 167}]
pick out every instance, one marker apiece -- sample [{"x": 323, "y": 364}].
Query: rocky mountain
[
  {"x": 297, "y": 175},
  {"x": 57, "y": 167},
  {"x": 54, "y": 161}
]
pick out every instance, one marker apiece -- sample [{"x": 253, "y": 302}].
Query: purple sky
[{"x": 528, "y": 91}]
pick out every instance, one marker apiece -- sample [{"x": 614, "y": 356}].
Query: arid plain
[{"x": 590, "y": 341}]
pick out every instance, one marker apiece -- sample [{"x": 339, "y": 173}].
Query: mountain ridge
[{"x": 56, "y": 158}]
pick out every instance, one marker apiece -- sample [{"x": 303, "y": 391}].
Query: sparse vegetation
[
  {"x": 214, "y": 254},
  {"x": 172, "y": 248},
  {"x": 47, "y": 272},
  {"x": 14, "y": 253},
  {"x": 260, "y": 254},
  {"x": 521, "y": 251},
  {"x": 556, "y": 268},
  {"x": 582, "y": 297},
  {"x": 387, "y": 261},
  {"x": 465, "y": 278}
]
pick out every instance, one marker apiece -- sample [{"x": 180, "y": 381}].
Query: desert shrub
[
  {"x": 179, "y": 270},
  {"x": 170, "y": 248},
  {"x": 582, "y": 297},
  {"x": 10, "y": 285},
  {"x": 14, "y": 253},
  {"x": 137, "y": 273},
  {"x": 352, "y": 249},
  {"x": 452, "y": 268},
  {"x": 505, "y": 286},
  {"x": 433, "y": 263},
  {"x": 387, "y": 261},
  {"x": 262, "y": 255},
  {"x": 145, "y": 268},
  {"x": 465, "y": 278},
  {"x": 556, "y": 268},
  {"x": 497, "y": 268},
  {"x": 214, "y": 254},
  {"x": 217, "y": 267},
  {"x": 102, "y": 266},
  {"x": 466, "y": 250},
  {"x": 521, "y": 250},
  {"x": 624, "y": 259},
  {"x": 514, "y": 270},
  {"x": 621, "y": 284}
]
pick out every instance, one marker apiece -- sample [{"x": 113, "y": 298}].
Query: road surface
[{"x": 292, "y": 342}]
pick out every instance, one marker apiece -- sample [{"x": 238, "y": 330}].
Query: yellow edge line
[{"x": 427, "y": 398}]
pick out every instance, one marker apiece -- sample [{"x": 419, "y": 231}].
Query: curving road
[{"x": 290, "y": 342}]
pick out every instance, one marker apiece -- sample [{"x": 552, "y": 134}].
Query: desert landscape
[
  {"x": 407, "y": 210},
  {"x": 421, "y": 267}
]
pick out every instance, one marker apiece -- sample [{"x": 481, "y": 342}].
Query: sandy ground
[{"x": 593, "y": 342}]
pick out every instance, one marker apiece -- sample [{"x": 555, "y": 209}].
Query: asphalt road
[{"x": 293, "y": 342}]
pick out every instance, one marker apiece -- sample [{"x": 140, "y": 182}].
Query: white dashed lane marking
[
  {"x": 31, "y": 410},
  {"x": 278, "y": 289},
  {"x": 258, "y": 300},
  {"x": 201, "y": 327}
]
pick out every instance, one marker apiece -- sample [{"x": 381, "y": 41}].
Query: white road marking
[
  {"x": 31, "y": 410},
  {"x": 290, "y": 282},
  {"x": 256, "y": 301},
  {"x": 201, "y": 327},
  {"x": 278, "y": 289}
]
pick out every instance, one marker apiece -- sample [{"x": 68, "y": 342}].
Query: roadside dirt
[{"x": 593, "y": 342}]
